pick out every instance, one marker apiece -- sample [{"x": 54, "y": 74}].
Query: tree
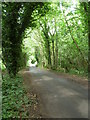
[
  {"x": 45, "y": 30},
  {"x": 16, "y": 17},
  {"x": 64, "y": 42}
]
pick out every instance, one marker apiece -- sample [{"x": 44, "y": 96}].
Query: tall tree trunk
[
  {"x": 56, "y": 49},
  {"x": 47, "y": 42},
  {"x": 53, "y": 53},
  {"x": 49, "y": 52},
  {"x": 56, "y": 54}
]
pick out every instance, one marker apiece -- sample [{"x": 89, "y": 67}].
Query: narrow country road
[{"x": 61, "y": 98}]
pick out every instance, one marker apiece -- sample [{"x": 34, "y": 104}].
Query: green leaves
[
  {"x": 16, "y": 18},
  {"x": 62, "y": 36},
  {"x": 53, "y": 35},
  {"x": 14, "y": 97}
]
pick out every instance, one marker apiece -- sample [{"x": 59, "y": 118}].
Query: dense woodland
[
  {"x": 58, "y": 31},
  {"x": 55, "y": 35}
]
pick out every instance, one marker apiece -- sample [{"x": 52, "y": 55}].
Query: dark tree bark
[
  {"x": 53, "y": 52},
  {"x": 49, "y": 52}
]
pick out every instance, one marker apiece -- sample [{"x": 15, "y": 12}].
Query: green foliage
[
  {"x": 16, "y": 17},
  {"x": 3, "y": 68},
  {"x": 14, "y": 98},
  {"x": 89, "y": 40},
  {"x": 61, "y": 37},
  {"x": 54, "y": 34},
  {"x": 33, "y": 61},
  {"x": 24, "y": 60}
]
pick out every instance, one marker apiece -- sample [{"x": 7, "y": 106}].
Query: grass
[{"x": 14, "y": 98}]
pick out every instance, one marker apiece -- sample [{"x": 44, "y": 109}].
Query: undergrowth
[{"x": 15, "y": 100}]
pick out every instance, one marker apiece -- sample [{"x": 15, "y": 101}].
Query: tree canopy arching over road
[
  {"x": 61, "y": 28},
  {"x": 16, "y": 17},
  {"x": 52, "y": 35}
]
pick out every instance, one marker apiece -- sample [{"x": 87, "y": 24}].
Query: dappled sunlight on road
[
  {"x": 83, "y": 107},
  {"x": 66, "y": 92},
  {"x": 46, "y": 78},
  {"x": 61, "y": 98}
]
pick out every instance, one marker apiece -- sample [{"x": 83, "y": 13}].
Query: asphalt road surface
[{"x": 61, "y": 98}]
